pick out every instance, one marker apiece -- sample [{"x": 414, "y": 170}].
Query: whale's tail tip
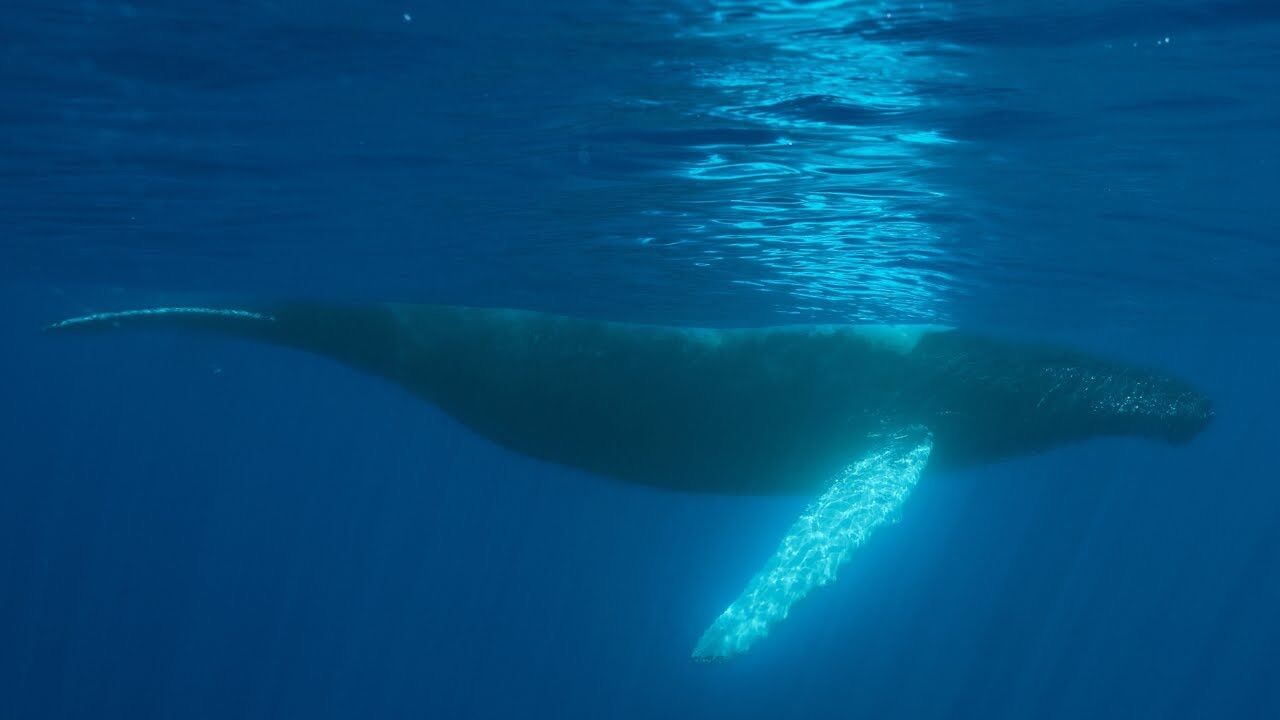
[
  {"x": 172, "y": 316},
  {"x": 362, "y": 335}
]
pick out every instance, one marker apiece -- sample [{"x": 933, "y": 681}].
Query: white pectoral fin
[{"x": 861, "y": 497}]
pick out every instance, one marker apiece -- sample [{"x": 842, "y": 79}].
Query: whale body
[{"x": 850, "y": 413}]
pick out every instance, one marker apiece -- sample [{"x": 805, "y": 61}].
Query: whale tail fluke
[
  {"x": 360, "y": 335},
  {"x": 236, "y": 321}
]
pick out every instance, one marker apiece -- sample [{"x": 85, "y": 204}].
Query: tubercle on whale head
[
  {"x": 1192, "y": 413},
  {"x": 1134, "y": 401}
]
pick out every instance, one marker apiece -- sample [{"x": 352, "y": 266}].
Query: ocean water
[{"x": 198, "y": 527}]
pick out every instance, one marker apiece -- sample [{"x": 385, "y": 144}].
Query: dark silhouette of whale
[{"x": 852, "y": 413}]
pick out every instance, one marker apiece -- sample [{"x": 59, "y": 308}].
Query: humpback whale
[{"x": 849, "y": 414}]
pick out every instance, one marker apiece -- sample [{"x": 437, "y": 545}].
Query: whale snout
[
  {"x": 1193, "y": 413},
  {"x": 1152, "y": 405}
]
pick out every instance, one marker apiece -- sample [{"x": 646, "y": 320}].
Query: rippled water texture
[{"x": 714, "y": 162}]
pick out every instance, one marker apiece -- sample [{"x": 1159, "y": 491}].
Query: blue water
[{"x": 195, "y": 527}]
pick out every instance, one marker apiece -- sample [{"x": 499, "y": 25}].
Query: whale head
[
  {"x": 1124, "y": 400},
  {"x": 1172, "y": 410}
]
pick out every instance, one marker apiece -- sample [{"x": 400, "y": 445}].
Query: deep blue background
[{"x": 197, "y": 527}]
